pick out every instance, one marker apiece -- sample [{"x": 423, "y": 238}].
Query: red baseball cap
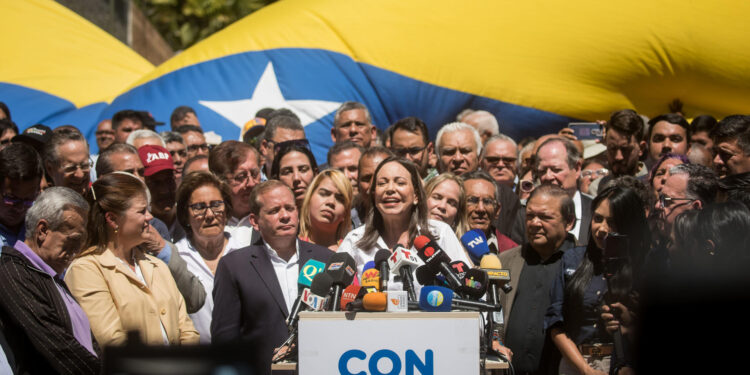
[{"x": 155, "y": 159}]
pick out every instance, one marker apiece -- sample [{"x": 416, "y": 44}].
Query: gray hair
[
  {"x": 348, "y": 106},
  {"x": 142, "y": 134},
  {"x": 702, "y": 182},
  {"x": 51, "y": 152},
  {"x": 170, "y": 137},
  {"x": 529, "y": 147},
  {"x": 495, "y": 138},
  {"x": 454, "y": 127},
  {"x": 51, "y": 204},
  {"x": 486, "y": 122}
]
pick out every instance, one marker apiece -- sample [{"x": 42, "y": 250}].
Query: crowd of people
[{"x": 186, "y": 241}]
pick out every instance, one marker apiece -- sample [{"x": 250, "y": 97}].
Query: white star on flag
[{"x": 268, "y": 94}]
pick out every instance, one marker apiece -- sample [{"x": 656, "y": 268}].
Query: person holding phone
[{"x": 581, "y": 288}]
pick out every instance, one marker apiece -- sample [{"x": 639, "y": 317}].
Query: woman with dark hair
[
  {"x": 204, "y": 204},
  {"x": 581, "y": 287},
  {"x": 398, "y": 214},
  {"x": 120, "y": 287},
  {"x": 658, "y": 173},
  {"x": 295, "y": 166},
  {"x": 8, "y": 130},
  {"x": 4, "y": 112}
]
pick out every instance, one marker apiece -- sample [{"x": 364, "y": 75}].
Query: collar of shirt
[
  {"x": 275, "y": 255},
  {"x": 9, "y": 238},
  {"x": 576, "y": 231},
  {"x": 34, "y": 258},
  {"x": 286, "y": 272}
]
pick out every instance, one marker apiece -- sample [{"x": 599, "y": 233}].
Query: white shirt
[
  {"x": 447, "y": 240},
  {"x": 287, "y": 272},
  {"x": 576, "y": 231},
  {"x": 195, "y": 264}
]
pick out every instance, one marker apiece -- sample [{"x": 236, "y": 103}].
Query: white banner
[{"x": 413, "y": 343}]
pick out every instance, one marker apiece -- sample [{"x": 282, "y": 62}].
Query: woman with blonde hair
[
  {"x": 118, "y": 286},
  {"x": 446, "y": 201},
  {"x": 325, "y": 216}
]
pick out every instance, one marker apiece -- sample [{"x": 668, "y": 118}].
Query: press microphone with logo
[
  {"x": 474, "y": 284},
  {"x": 319, "y": 290},
  {"x": 306, "y": 274},
  {"x": 341, "y": 267},
  {"x": 371, "y": 280},
  {"x": 475, "y": 242},
  {"x": 439, "y": 298},
  {"x": 436, "y": 259},
  {"x": 460, "y": 268},
  {"x": 381, "y": 263},
  {"x": 401, "y": 262},
  {"x": 498, "y": 276},
  {"x": 376, "y": 301},
  {"x": 349, "y": 295}
]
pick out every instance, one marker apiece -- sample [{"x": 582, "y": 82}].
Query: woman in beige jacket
[{"x": 118, "y": 286}]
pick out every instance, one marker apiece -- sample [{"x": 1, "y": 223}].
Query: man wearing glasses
[
  {"x": 687, "y": 187},
  {"x": 21, "y": 168},
  {"x": 499, "y": 159},
  {"x": 195, "y": 141},
  {"x": 483, "y": 207},
  {"x": 67, "y": 161},
  {"x": 410, "y": 140}
]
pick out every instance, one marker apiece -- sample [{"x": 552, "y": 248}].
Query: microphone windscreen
[
  {"x": 375, "y": 301},
  {"x": 425, "y": 276},
  {"x": 306, "y": 274},
  {"x": 421, "y": 241},
  {"x": 431, "y": 253},
  {"x": 371, "y": 278},
  {"x": 321, "y": 284},
  {"x": 348, "y": 295},
  {"x": 435, "y": 298},
  {"x": 382, "y": 256},
  {"x": 368, "y": 265},
  {"x": 490, "y": 261},
  {"x": 459, "y": 268},
  {"x": 402, "y": 257},
  {"x": 342, "y": 268},
  {"x": 475, "y": 243},
  {"x": 475, "y": 283}
]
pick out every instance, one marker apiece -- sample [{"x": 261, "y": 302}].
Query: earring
[{"x": 116, "y": 229}]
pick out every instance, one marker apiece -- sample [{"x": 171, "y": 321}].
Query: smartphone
[
  {"x": 587, "y": 130},
  {"x": 616, "y": 246}
]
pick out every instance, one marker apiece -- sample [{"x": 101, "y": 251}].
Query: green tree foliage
[{"x": 183, "y": 23}]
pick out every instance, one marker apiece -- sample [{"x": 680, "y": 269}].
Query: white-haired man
[
  {"x": 485, "y": 123},
  {"x": 458, "y": 148}
]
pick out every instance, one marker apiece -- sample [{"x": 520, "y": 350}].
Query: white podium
[{"x": 389, "y": 343}]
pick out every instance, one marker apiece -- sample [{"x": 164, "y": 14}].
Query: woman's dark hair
[
  {"x": 727, "y": 225},
  {"x": 6, "y": 124},
  {"x": 418, "y": 224},
  {"x": 276, "y": 166},
  {"x": 4, "y": 108},
  {"x": 113, "y": 192},
  {"x": 626, "y": 209},
  {"x": 191, "y": 183}
]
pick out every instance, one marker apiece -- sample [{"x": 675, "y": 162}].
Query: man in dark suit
[
  {"x": 46, "y": 330},
  {"x": 256, "y": 286},
  {"x": 558, "y": 162}
]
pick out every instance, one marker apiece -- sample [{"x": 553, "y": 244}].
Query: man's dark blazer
[
  {"x": 35, "y": 322},
  {"x": 248, "y": 303}
]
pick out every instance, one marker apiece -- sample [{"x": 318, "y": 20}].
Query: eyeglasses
[
  {"x": 5, "y": 141},
  {"x": 486, "y": 201},
  {"x": 668, "y": 202},
  {"x": 597, "y": 173},
  {"x": 411, "y": 151},
  {"x": 505, "y": 160},
  {"x": 13, "y": 201},
  {"x": 180, "y": 153},
  {"x": 199, "y": 209},
  {"x": 241, "y": 177},
  {"x": 104, "y": 132},
  {"x": 527, "y": 186},
  {"x": 138, "y": 172},
  {"x": 196, "y": 148},
  {"x": 72, "y": 168},
  {"x": 295, "y": 142}
]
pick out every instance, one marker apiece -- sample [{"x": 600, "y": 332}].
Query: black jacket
[{"x": 36, "y": 323}]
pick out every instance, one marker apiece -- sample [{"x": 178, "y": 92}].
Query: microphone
[
  {"x": 349, "y": 295},
  {"x": 475, "y": 243},
  {"x": 371, "y": 280},
  {"x": 319, "y": 290},
  {"x": 376, "y": 301},
  {"x": 435, "y": 298},
  {"x": 475, "y": 284},
  {"x": 368, "y": 265},
  {"x": 459, "y": 268},
  {"x": 497, "y": 275},
  {"x": 401, "y": 263},
  {"x": 381, "y": 263},
  {"x": 311, "y": 268},
  {"x": 425, "y": 276},
  {"x": 341, "y": 267},
  {"x": 436, "y": 259}
]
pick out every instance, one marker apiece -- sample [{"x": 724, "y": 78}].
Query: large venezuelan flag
[{"x": 535, "y": 64}]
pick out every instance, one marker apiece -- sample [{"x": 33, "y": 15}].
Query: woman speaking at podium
[{"x": 398, "y": 214}]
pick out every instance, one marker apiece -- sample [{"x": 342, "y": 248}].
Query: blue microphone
[
  {"x": 435, "y": 298},
  {"x": 475, "y": 243},
  {"x": 368, "y": 265}
]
